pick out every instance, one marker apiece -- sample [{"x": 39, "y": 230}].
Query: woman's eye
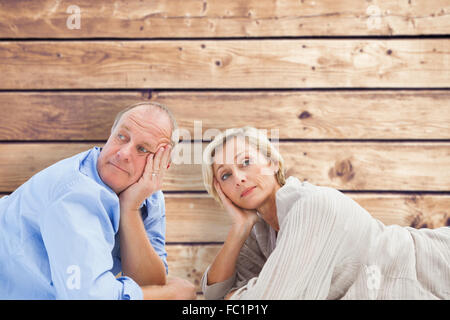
[
  {"x": 246, "y": 162},
  {"x": 225, "y": 176}
]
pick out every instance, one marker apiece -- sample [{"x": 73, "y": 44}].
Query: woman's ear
[
  {"x": 271, "y": 169},
  {"x": 274, "y": 166}
]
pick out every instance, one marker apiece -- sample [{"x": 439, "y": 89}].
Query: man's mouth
[
  {"x": 247, "y": 191},
  {"x": 118, "y": 167}
]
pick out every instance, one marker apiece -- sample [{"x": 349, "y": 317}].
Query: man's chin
[{"x": 114, "y": 185}]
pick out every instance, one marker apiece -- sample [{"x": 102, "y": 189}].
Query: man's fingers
[
  {"x": 157, "y": 161},
  {"x": 148, "y": 166},
  {"x": 165, "y": 158}
]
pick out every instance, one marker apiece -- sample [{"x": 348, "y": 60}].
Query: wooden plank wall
[{"x": 358, "y": 91}]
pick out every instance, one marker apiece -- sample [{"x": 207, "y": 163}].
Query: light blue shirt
[{"x": 59, "y": 235}]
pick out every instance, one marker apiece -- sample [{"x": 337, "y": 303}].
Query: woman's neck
[{"x": 268, "y": 210}]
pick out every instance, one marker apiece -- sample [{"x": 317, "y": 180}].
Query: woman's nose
[{"x": 240, "y": 178}]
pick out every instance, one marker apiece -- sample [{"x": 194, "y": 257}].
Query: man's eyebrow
[{"x": 149, "y": 146}]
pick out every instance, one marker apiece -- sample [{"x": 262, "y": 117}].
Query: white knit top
[{"x": 329, "y": 247}]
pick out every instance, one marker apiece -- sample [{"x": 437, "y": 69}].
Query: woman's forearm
[
  {"x": 224, "y": 264},
  {"x": 139, "y": 259}
]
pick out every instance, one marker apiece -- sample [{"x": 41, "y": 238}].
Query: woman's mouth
[{"x": 247, "y": 191}]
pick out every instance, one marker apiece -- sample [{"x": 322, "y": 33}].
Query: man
[{"x": 69, "y": 230}]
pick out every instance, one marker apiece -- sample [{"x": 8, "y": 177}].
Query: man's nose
[{"x": 124, "y": 153}]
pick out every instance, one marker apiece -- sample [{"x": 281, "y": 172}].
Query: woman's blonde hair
[{"x": 255, "y": 138}]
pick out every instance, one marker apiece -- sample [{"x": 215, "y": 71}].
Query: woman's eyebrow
[
  {"x": 235, "y": 157},
  {"x": 218, "y": 168}
]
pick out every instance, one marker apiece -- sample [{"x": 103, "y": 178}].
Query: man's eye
[
  {"x": 121, "y": 136},
  {"x": 142, "y": 149}
]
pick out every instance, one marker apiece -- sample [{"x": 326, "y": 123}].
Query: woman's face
[{"x": 245, "y": 175}]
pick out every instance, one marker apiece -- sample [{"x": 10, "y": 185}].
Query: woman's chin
[{"x": 249, "y": 205}]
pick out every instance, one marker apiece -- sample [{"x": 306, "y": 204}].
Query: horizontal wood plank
[
  {"x": 341, "y": 165},
  {"x": 198, "y": 218},
  {"x": 225, "y": 64},
  {"x": 389, "y": 114},
  {"x": 190, "y": 261},
  {"x": 216, "y": 18}
]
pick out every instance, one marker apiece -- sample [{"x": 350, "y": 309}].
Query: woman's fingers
[
  {"x": 222, "y": 196},
  {"x": 218, "y": 189}
]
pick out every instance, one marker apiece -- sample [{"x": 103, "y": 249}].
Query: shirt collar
[
  {"x": 88, "y": 167},
  {"x": 286, "y": 196}
]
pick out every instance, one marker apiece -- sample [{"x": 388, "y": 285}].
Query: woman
[{"x": 293, "y": 240}]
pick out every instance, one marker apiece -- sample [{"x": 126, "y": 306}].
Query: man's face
[{"x": 140, "y": 132}]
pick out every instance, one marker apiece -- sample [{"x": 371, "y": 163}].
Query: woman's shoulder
[
  {"x": 295, "y": 191},
  {"x": 308, "y": 201}
]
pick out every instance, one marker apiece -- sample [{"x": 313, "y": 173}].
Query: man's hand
[
  {"x": 151, "y": 180},
  {"x": 139, "y": 259},
  {"x": 182, "y": 289},
  {"x": 175, "y": 289}
]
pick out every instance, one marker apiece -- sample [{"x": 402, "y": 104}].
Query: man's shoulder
[{"x": 65, "y": 176}]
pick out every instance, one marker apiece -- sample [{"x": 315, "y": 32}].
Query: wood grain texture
[
  {"x": 341, "y": 165},
  {"x": 190, "y": 261},
  {"x": 389, "y": 114},
  {"x": 198, "y": 218},
  {"x": 225, "y": 64},
  {"x": 216, "y": 18}
]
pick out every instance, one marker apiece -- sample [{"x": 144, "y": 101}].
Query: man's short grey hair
[{"x": 174, "y": 134}]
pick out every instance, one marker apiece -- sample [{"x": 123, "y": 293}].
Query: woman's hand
[
  {"x": 243, "y": 220},
  {"x": 150, "y": 181},
  {"x": 239, "y": 216}
]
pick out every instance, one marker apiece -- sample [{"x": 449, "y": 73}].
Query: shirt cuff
[
  {"x": 216, "y": 291},
  {"x": 240, "y": 294},
  {"x": 131, "y": 290}
]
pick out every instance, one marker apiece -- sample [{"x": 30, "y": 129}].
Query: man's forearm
[{"x": 139, "y": 259}]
